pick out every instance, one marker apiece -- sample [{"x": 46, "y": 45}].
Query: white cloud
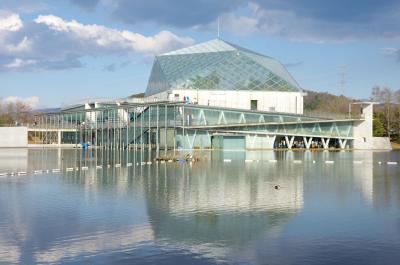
[
  {"x": 50, "y": 42},
  {"x": 19, "y": 63},
  {"x": 310, "y": 21},
  {"x": 10, "y": 21},
  {"x": 24, "y": 45},
  {"x": 392, "y": 52},
  {"x": 238, "y": 24},
  {"x": 102, "y": 37},
  {"x": 32, "y": 102},
  {"x": 23, "y": 6}
]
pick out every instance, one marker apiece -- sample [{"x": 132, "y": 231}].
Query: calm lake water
[{"x": 209, "y": 212}]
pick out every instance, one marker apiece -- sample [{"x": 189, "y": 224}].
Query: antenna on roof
[{"x": 218, "y": 27}]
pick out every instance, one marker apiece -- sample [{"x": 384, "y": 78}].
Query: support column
[
  {"x": 76, "y": 131},
  {"x": 102, "y": 129},
  {"x": 183, "y": 127},
  {"x": 308, "y": 143},
  {"x": 165, "y": 130},
  {"x": 157, "y": 131},
  {"x": 128, "y": 120},
  {"x": 149, "y": 131},
  {"x": 342, "y": 143},
  {"x": 325, "y": 142},
  {"x": 134, "y": 130},
  {"x": 141, "y": 132},
  {"x": 289, "y": 143},
  {"x": 114, "y": 129},
  {"x": 59, "y": 135},
  {"x": 175, "y": 128},
  {"x": 272, "y": 140}
]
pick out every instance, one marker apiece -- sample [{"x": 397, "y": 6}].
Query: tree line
[{"x": 15, "y": 113}]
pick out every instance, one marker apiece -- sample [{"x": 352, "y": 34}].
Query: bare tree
[
  {"x": 386, "y": 96},
  {"x": 15, "y": 112},
  {"x": 376, "y": 94},
  {"x": 6, "y": 111},
  {"x": 23, "y": 112}
]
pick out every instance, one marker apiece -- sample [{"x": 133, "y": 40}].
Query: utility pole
[
  {"x": 218, "y": 27},
  {"x": 343, "y": 80}
]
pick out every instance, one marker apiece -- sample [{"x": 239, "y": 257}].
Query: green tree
[{"x": 378, "y": 129}]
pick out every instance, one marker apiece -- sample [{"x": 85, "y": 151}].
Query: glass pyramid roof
[{"x": 218, "y": 65}]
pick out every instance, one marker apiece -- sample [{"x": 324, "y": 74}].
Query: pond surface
[{"x": 226, "y": 209}]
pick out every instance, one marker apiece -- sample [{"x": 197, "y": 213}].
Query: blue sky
[{"x": 56, "y": 53}]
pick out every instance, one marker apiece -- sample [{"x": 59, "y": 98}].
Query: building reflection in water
[
  {"x": 210, "y": 208},
  {"x": 13, "y": 159}
]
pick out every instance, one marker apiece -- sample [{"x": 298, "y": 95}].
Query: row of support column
[{"x": 289, "y": 140}]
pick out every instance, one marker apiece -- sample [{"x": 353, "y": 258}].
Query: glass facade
[
  {"x": 178, "y": 125},
  {"x": 218, "y": 65}
]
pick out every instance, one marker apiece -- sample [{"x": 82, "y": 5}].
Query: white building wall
[
  {"x": 362, "y": 130},
  {"x": 123, "y": 115},
  {"x": 90, "y": 115},
  {"x": 13, "y": 137},
  {"x": 382, "y": 143},
  {"x": 290, "y": 102}
]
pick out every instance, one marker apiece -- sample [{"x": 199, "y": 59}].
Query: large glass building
[
  {"x": 213, "y": 95},
  {"x": 217, "y": 73}
]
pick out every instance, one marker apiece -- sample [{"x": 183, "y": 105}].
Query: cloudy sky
[{"x": 55, "y": 53}]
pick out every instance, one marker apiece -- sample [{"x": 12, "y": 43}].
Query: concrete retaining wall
[
  {"x": 13, "y": 137},
  {"x": 381, "y": 143}
]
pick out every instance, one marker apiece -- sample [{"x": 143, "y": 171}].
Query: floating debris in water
[{"x": 186, "y": 158}]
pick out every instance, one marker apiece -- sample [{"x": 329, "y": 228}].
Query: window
[
  {"x": 271, "y": 108},
  {"x": 253, "y": 104},
  {"x": 176, "y": 97}
]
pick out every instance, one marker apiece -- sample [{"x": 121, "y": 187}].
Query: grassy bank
[{"x": 395, "y": 146}]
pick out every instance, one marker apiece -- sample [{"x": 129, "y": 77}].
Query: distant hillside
[
  {"x": 47, "y": 110},
  {"x": 325, "y": 102},
  {"x": 138, "y": 95}
]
